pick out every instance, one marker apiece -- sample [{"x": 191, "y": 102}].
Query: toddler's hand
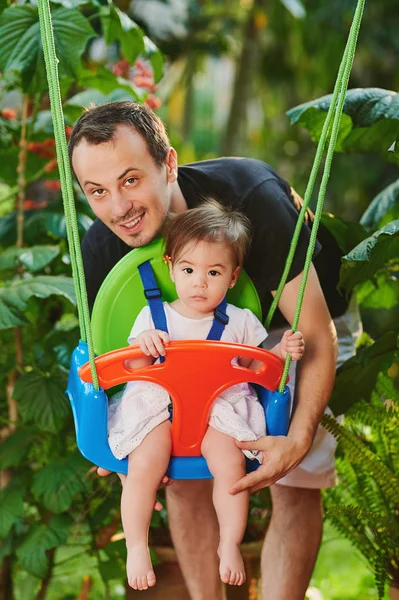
[
  {"x": 292, "y": 343},
  {"x": 152, "y": 342}
]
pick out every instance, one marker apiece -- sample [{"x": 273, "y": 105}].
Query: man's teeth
[{"x": 132, "y": 223}]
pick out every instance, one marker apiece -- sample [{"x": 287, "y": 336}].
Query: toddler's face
[{"x": 202, "y": 274}]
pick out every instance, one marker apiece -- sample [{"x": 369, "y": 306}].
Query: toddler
[{"x": 205, "y": 249}]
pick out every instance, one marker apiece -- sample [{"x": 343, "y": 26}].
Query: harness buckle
[
  {"x": 152, "y": 293},
  {"x": 221, "y": 316}
]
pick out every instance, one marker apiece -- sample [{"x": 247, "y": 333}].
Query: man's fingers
[
  {"x": 102, "y": 472},
  {"x": 158, "y": 506},
  {"x": 245, "y": 483}
]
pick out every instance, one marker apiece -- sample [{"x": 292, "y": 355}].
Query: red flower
[
  {"x": 121, "y": 69},
  {"x": 51, "y": 165},
  {"x": 53, "y": 184},
  {"x": 153, "y": 102},
  {"x": 44, "y": 149},
  {"x": 9, "y": 113},
  {"x": 142, "y": 68},
  {"x": 34, "y": 204}
]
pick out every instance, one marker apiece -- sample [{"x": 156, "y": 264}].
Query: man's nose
[{"x": 121, "y": 204}]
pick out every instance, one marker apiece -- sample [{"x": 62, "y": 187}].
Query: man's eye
[
  {"x": 188, "y": 270},
  {"x": 214, "y": 273}
]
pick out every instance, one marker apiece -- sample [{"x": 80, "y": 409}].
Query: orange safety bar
[{"x": 194, "y": 373}]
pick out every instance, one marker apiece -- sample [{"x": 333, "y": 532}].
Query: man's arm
[{"x": 315, "y": 379}]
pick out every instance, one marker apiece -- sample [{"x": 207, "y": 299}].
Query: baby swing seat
[{"x": 117, "y": 304}]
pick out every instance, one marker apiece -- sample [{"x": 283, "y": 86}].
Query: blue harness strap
[
  {"x": 220, "y": 321},
  {"x": 153, "y": 295}
]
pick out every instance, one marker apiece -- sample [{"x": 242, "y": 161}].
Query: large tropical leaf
[
  {"x": 14, "y": 296},
  {"x": 381, "y": 292},
  {"x": 14, "y": 448},
  {"x": 347, "y": 234},
  {"x": 53, "y": 224},
  {"x": 21, "y": 48},
  {"x": 357, "y": 377},
  {"x": 383, "y": 209},
  {"x": 106, "y": 82},
  {"x": 377, "y": 251},
  {"x": 41, "y": 399},
  {"x": 56, "y": 484},
  {"x": 369, "y": 122},
  {"x": 40, "y": 538},
  {"x": 156, "y": 58},
  {"x": 11, "y": 507},
  {"x": 33, "y": 258},
  {"x": 118, "y": 26}
]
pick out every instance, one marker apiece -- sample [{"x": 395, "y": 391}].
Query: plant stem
[
  {"x": 86, "y": 587},
  {"x": 21, "y": 183},
  {"x": 45, "y": 583}
]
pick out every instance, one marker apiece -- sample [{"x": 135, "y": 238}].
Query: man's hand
[
  {"x": 152, "y": 342},
  {"x": 165, "y": 482},
  {"x": 280, "y": 455}
]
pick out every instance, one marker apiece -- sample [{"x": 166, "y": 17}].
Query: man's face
[{"x": 124, "y": 186}]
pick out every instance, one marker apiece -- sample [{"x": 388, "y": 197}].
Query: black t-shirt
[{"x": 252, "y": 187}]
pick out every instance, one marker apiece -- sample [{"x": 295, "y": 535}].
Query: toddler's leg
[
  {"x": 226, "y": 462},
  {"x": 147, "y": 465}
]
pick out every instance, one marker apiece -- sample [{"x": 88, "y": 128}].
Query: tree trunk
[{"x": 246, "y": 69}]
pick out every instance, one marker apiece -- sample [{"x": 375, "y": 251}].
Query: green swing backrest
[{"x": 121, "y": 296}]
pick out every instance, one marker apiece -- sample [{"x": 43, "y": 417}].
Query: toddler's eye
[
  {"x": 188, "y": 270},
  {"x": 214, "y": 273},
  {"x": 97, "y": 193}
]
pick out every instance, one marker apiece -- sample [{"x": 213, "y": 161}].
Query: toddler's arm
[{"x": 291, "y": 343}]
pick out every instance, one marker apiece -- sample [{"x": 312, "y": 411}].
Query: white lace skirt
[{"x": 142, "y": 406}]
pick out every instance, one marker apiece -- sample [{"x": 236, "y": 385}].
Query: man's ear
[
  {"x": 235, "y": 276},
  {"x": 171, "y": 165}
]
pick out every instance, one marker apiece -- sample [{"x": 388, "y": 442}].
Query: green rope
[
  {"x": 72, "y": 228},
  {"x": 342, "y": 85}
]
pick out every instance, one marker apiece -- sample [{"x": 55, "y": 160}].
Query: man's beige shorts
[{"x": 317, "y": 470}]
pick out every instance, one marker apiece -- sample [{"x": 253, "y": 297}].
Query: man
[{"x": 123, "y": 161}]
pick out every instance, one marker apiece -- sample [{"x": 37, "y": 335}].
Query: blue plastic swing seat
[{"x": 90, "y": 411}]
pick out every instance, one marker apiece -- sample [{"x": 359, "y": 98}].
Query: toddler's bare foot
[
  {"x": 140, "y": 574},
  {"x": 231, "y": 566}
]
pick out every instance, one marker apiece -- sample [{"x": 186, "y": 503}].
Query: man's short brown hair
[
  {"x": 97, "y": 125},
  {"x": 210, "y": 222}
]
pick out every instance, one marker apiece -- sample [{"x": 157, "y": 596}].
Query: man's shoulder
[{"x": 98, "y": 234}]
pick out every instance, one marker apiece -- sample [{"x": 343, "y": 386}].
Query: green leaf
[
  {"x": 357, "y": 377},
  {"x": 14, "y": 296},
  {"x": 369, "y": 256},
  {"x": 73, "y": 107},
  {"x": 11, "y": 507},
  {"x": 14, "y": 448},
  {"x": 381, "y": 293},
  {"x": 156, "y": 58},
  {"x": 106, "y": 82},
  {"x": 113, "y": 560},
  {"x": 56, "y": 485},
  {"x": 369, "y": 122},
  {"x": 118, "y": 26},
  {"x": 41, "y": 399},
  {"x": 40, "y": 538},
  {"x": 53, "y": 223},
  {"x": 33, "y": 258},
  {"x": 347, "y": 235},
  {"x": 21, "y": 47},
  {"x": 383, "y": 209}
]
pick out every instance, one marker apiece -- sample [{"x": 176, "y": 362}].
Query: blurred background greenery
[{"x": 222, "y": 74}]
